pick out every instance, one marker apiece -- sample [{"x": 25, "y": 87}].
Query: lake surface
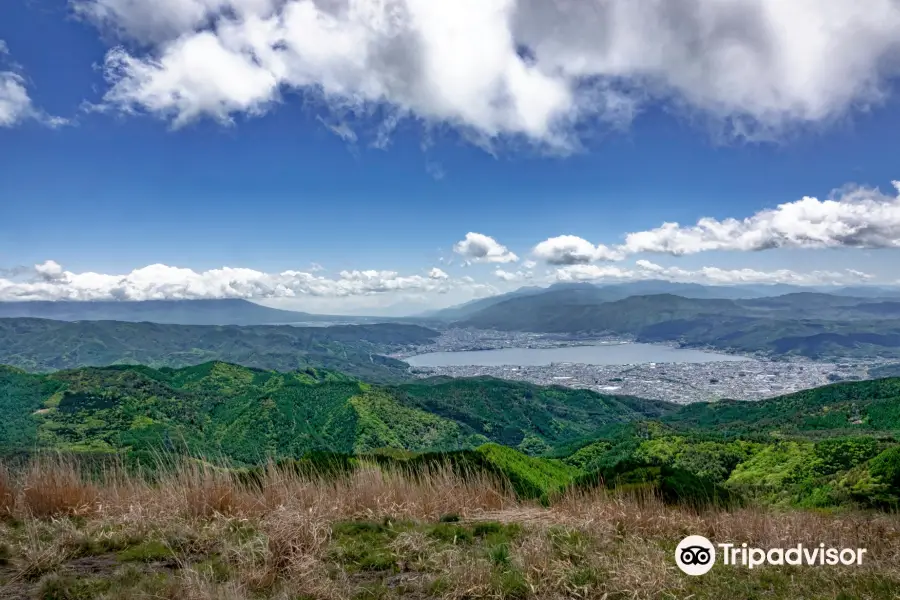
[{"x": 605, "y": 354}]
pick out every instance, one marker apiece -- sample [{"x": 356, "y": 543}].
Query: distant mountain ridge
[
  {"x": 806, "y": 323},
  {"x": 224, "y": 311},
  {"x": 619, "y": 291},
  {"x": 235, "y": 311}
]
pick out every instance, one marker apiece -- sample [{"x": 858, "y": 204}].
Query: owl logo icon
[{"x": 695, "y": 555}]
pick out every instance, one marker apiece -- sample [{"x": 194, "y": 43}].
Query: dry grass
[
  {"x": 197, "y": 533},
  {"x": 54, "y": 486},
  {"x": 7, "y": 492}
]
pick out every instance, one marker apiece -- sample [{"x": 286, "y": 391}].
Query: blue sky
[{"x": 138, "y": 139}]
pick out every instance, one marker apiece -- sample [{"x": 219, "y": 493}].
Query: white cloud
[
  {"x": 573, "y": 250},
  {"x": 582, "y": 272},
  {"x": 15, "y": 103},
  {"x": 707, "y": 275},
  {"x": 856, "y": 218},
  {"x": 529, "y": 264},
  {"x": 511, "y": 277},
  {"x": 49, "y": 270},
  {"x": 478, "y": 247},
  {"x": 760, "y": 65},
  {"x": 49, "y": 281}
]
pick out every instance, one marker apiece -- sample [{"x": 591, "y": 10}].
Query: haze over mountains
[
  {"x": 224, "y": 311},
  {"x": 233, "y": 311},
  {"x": 766, "y": 320}
]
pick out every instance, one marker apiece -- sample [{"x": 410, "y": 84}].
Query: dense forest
[{"x": 358, "y": 350}]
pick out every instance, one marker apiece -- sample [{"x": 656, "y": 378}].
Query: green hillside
[
  {"x": 841, "y": 408},
  {"x": 44, "y": 345},
  {"x": 834, "y": 446},
  {"x": 532, "y": 418},
  {"x": 247, "y": 415},
  {"x": 828, "y": 447}
]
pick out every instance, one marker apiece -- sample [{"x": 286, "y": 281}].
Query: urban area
[{"x": 752, "y": 379}]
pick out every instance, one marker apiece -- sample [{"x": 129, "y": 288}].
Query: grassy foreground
[{"x": 197, "y": 533}]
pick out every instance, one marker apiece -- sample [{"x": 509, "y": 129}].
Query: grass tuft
[{"x": 54, "y": 486}]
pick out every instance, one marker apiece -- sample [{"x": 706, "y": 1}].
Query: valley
[{"x": 611, "y": 364}]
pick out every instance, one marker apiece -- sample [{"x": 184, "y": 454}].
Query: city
[{"x": 752, "y": 379}]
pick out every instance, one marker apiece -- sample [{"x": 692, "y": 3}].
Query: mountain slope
[
  {"x": 43, "y": 345},
  {"x": 845, "y": 407},
  {"x": 518, "y": 414},
  {"x": 569, "y": 311},
  {"x": 243, "y": 414}
]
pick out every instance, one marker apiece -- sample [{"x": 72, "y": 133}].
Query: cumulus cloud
[
  {"x": 510, "y": 276},
  {"x": 478, "y": 247},
  {"x": 49, "y": 281},
  {"x": 15, "y": 103},
  {"x": 573, "y": 250},
  {"x": 645, "y": 269},
  {"x": 531, "y": 68},
  {"x": 582, "y": 272},
  {"x": 856, "y": 218}
]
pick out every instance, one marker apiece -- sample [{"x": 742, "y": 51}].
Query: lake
[{"x": 604, "y": 354}]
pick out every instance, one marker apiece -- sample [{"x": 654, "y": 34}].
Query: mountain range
[
  {"x": 242, "y": 312},
  {"x": 224, "y": 311},
  {"x": 359, "y": 350},
  {"x": 811, "y": 324},
  {"x": 743, "y": 319},
  {"x": 611, "y": 292}
]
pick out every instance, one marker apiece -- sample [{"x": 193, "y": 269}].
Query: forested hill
[
  {"x": 45, "y": 345},
  {"x": 849, "y": 407},
  {"x": 219, "y": 409},
  {"x": 826, "y": 447}
]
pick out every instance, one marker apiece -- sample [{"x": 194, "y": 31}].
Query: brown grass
[
  {"x": 7, "y": 492},
  {"x": 54, "y": 486},
  {"x": 277, "y": 540}
]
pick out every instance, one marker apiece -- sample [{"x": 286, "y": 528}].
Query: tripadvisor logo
[{"x": 696, "y": 555}]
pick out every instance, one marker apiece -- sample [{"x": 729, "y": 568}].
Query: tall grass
[
  {"x": 274, "y": 535},
  {"x": 54, "y": 485},
  {"x": 7, "y": 492}
]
